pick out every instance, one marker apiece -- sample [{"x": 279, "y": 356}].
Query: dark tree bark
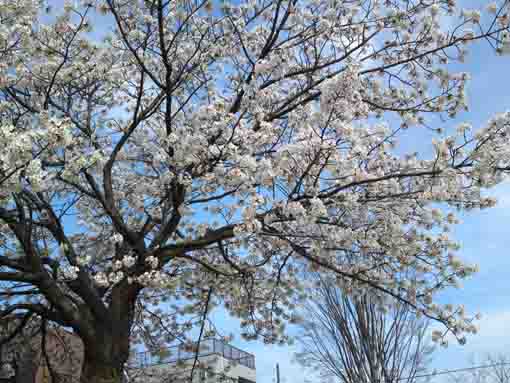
[
  {"x": 26, "y": 368},
  {"x": 100, "y": 372},
  {"x": 107, "y": 351}
]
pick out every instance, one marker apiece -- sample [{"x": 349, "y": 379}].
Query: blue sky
[{"x": 484, "y": 235}]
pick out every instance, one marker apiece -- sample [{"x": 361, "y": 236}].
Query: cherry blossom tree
[{"x": 203, "y": 154}]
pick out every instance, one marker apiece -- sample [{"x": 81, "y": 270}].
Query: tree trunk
[
  {"x": 94, "y": 371},
  {"x": 106, "y": 350},
  {"x": 26, "y": 367},
  {"x": 104, "y": 359}
]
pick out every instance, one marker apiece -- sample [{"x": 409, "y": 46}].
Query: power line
[{"x": 445, "y": 372}]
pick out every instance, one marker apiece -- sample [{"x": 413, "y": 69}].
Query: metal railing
[{"x": 210, "y": 346}]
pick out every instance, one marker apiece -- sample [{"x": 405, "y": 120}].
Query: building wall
[
  {"x": 209, "y": 369},
  {"x": 65, "y": 355},
  {"x": 22, "y": 359}
]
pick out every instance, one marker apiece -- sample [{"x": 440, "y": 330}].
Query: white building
[{"x": 215, "y": 362}]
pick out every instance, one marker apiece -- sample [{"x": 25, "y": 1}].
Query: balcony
[{"x": 207, "y": 347}]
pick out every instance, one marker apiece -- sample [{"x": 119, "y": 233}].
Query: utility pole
[{"x": 277, "y": 373}]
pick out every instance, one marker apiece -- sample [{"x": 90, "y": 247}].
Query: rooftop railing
[{"x": 183, "y": 352}]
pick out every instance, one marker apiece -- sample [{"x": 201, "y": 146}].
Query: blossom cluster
[{"x": 226, "y": 149}]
